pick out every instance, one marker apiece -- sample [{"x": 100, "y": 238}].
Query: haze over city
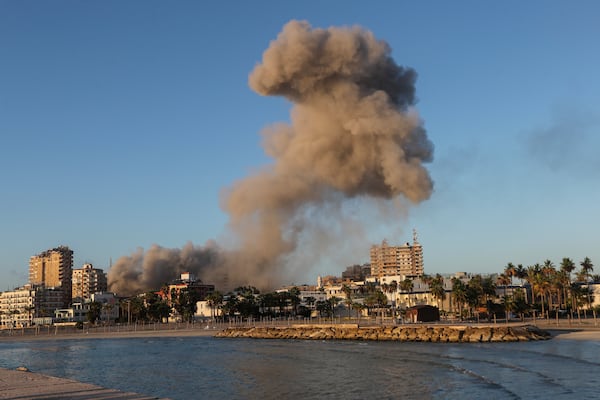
[{"x": 128, "y": 125}]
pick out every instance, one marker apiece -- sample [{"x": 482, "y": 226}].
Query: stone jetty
[{"x": 401, "y": 333}]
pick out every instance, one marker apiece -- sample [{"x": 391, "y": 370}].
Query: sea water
[{"x": 210, "y": 368}]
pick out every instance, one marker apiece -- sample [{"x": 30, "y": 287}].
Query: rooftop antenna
[{"x": 415, "y": 236}]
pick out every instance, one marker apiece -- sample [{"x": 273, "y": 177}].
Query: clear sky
[{"x": 121, "y": 122}]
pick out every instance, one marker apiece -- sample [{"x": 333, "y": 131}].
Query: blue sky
[{"x": 121, "y": 123}]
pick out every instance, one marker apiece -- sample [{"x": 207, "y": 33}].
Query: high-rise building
[
  {"x": 406, "y": 260},
  {"x": 88, "y": 280},
  {"x": 53, "y": 268}
]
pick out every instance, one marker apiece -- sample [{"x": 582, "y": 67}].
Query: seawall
[{"x": 403, "y": 333}]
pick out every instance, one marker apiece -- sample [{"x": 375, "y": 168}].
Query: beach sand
[
  {"x": 182, "y": 332},
  {"x": 584, "y": 334}
]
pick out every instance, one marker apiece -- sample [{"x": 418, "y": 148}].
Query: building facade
[
  {"x": 17, "y": 307},
  {"x": 88, "y": 280},
  {"x": 28, "y": 305},
  {"x": 405, "y": 260},
  {"x": 53, "y": 268}
]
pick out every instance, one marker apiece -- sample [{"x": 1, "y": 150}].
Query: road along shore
[{"x": 403, "y": 333}]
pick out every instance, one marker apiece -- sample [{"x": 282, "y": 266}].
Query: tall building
[
  {"x": 406, "y": 260},
  {"x": 53, "y": 268},
  {"x": 88, "y": 280}
]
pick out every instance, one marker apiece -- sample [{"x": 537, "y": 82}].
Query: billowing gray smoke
[{"x": 353, "y": 134}]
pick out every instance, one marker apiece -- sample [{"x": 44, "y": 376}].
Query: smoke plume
[{"x": 352, "y": 134}]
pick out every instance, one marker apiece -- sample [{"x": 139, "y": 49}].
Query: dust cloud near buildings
[{"x": 353, "y": 134}]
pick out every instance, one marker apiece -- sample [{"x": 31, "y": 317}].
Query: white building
[
  {"x": 110, "y": 305},
  {"x": 17, "y": 307},
  {"x": 205, "y": 311}
]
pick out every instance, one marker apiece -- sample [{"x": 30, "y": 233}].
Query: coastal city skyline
[{"x": 130, "y": 133}]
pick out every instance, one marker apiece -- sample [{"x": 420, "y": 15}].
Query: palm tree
[
  {"x": 586, "y": 267},
  {"x": 29, "y": 309},
  {"x": 407, "y": 285},
  {"x": 333, "y": 302},
  {"x": 459, "y": 293},
  {"x": 348, "y": 300},
  {"x": 504, "y": 280},
  {"x": 535, "y": 278},
  {"x": 358, "y": 307},
  {"x": 294, "y": 297},
  {"x": 437, "y": 289},
  {"x": 548, "y": 272},
  {"x": 391, "y": 289},
  {"x": 510, "y": 270},
  {"x": 214, "y": 301},
  {"x": 521, "y": 273},
  {"x": 586, "y": 270},
  {"x": 567, "y": 266}
]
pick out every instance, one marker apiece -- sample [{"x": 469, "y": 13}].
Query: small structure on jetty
[{"x": 423, "y": 313}]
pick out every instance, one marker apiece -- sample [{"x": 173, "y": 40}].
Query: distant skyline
[{"x": 123, "y": 123}]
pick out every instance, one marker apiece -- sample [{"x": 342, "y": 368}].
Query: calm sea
[{"x": 209, "y": 368}]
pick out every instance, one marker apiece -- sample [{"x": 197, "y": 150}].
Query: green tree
[
  {"x": 437, "y": 289},
  {"x": 407, "y": 286},
  {"x": 324, "y": 308},
  {"x": 504, "y": 280},
  {"x": 459, "y": 294},
  {"x": 510, "y": 271},
  {"x": 294, "y": 298},
  {"x": 93, "y": 314},
  {"x": 333, "y": 302},
  {"x": 157, "y": 309},
  {"x": 586, "y": 268},
  {"x": 185, "y": 303},
  {"x": 348, "y": 297},
  {"x": 214, "y": 301}
]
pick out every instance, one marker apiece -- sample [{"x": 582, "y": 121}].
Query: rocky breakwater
[{"x": 403, "y": 333}]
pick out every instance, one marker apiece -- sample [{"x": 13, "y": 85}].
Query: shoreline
[
  {"x": 182, "y": 332},
  {"x": 581, "y": 332}
]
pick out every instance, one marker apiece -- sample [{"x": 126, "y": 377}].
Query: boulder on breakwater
[{"x": 402, "y": 333}]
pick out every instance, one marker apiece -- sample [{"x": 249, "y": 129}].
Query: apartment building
[
  {"x": 88, "y": 280},
  {"x": 53, "y": 268},
  {"x": 187, "y": 282},
  {"x": 28, "y": 305},
  {"x": 17, "y": 307},
  {"x": 404, "y": 260}
]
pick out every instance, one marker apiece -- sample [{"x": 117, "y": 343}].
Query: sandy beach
[
  {"x": 183, "y": 332},
  {"x": 575, "y": 334}
]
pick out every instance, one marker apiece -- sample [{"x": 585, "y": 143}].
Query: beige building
[
  {"x": 405, "y": 260},
  {"x": 17, "y": 307},
  {"x": 53, "y": 268},
  {"x": 88, "y": 280}
]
